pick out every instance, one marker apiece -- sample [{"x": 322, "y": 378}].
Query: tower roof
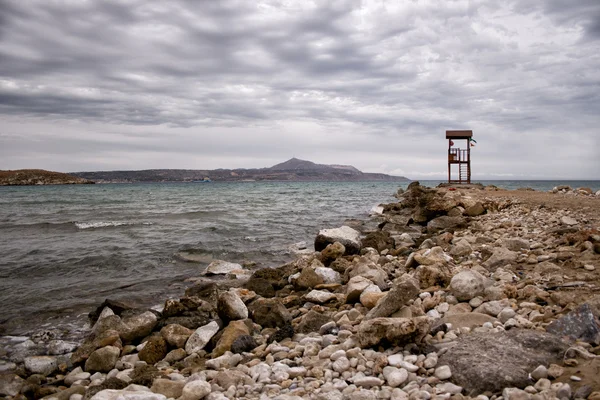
[{"x": 459, "y": 134}]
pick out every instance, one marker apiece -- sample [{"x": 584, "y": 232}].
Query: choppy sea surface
[{"x": 64, "y": 249}]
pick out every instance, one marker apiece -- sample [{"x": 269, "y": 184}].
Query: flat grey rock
[{"x": 493, "y": 361}]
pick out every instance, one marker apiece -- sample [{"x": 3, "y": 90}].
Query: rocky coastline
[
  {"x": 449, "y": 293},
  {"x": 27, "y": 177}
]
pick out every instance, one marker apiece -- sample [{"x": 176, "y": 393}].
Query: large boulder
[
  {"x": 446, "y": 223},
  {"x": 195, "y": 390},
  {"x": 356, "y": 285},
  {"x": 270, "y": 313},
  {"x": 312, "y": 321},
  {"x": 108, "y": 307},
  {"x": 499, "y": 258},
  {"x": 345, "y": 235},
  {"x": 220, "y": 267},
  {"x": 483, "y": 362},
  {"x": 578, "y": 324},
  {"x": 475, "y": 210},
  {"x": 176, "y": 335},
  {"x": 102, "y": 360},
  {"x": 435, "y": 255},
  {"x": 402, "y": 291},
  {"x": 379, "y": 240},
  {"x": 44, "y": 365},
  {"x": 392, "y": 331},
  {"x": 467, "y": 284},
  {"x": 243, "y": 343},
  {"x": 308, "y": 277},
  {"x": 137, "y": 326},
  {"x": 516, "y": 244},
  {"x": 461, "y": 248},
  {"x": 433, "y": 275},
  {"x": 230, "y": 334},
  {"x": 332, "y": 252},
  {"x": 231, "y": 307},
  {"x": 10, "y": 384},
  {"x": 108, "y": 337},
  {"x": 167, "y": 387},
  {"x": 154, "y": 350}
]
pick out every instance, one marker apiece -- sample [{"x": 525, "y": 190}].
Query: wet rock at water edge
[
  {"x": 220, "y": 267},
  {"x": 10, "y": 384},
  {"x": 103, "y": 359},
  {"x": 137, "y": 326},
  {"x": 44, "y": 365},
  {"x": 345, "y": 235}
]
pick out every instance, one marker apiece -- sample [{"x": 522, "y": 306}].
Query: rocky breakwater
[{"x": 442, "y": 295}]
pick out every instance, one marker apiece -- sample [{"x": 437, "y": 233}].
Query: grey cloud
[{"x": 378, "y": 71}]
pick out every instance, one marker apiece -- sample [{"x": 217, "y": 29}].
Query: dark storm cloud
[{"x": 291, "y": 72}]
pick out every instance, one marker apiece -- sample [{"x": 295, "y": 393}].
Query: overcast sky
[{"x": 136, "y": 84}]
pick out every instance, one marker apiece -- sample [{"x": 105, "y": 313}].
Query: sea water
[{"x": 64, "y": 249}]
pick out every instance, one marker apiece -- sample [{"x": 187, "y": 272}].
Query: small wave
[
  {"x": 196, "y": 214},
  {"x": 107, "y": 224}
]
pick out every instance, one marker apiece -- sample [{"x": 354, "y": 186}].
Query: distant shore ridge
[
  {"x": 22, "y": 177},
  {"x": 293, "y": 170}
]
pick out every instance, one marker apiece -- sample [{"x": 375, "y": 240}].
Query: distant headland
[
  {"x": 293, "y": 170},
  {"x": 23, "y": 177}
]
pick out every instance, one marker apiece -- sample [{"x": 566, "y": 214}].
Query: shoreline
[{"x": 531, "y": 252}]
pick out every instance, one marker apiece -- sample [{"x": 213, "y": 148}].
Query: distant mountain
[
  {"x": 295, "y": 164},
  {"x": 290, "y": 170},
  {"x": 23, "y": 177}
]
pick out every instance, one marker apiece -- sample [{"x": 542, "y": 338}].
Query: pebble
[
  {"x": 448, "y": 387},
  {"x": 542, "y": 384},
  {"x": 341, "y": 364},
  {"x": 395, "y": 376},
  {"x": 443, "y": 372},
  {"x": 368, "y": 381},
  {"x": 541, "y": 372},
  {"x": 395, "y": 360}
]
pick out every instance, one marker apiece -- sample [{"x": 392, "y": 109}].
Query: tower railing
[{"x": 458, "y": 155}]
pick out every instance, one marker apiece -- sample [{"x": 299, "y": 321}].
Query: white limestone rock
[
  {"x": 44, "y": 365},
  {"x": 319, "y": 296},
  {"x": 201, "y": 337},
  {"x": 195, "y": 390},
  {"x": 395, "y": 376},
  {"x": 467, "y": 285},
  {"x": 347, "y": 236}
]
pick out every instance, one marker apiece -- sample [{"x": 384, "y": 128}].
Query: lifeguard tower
[{"x": 459, "y": 156}]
